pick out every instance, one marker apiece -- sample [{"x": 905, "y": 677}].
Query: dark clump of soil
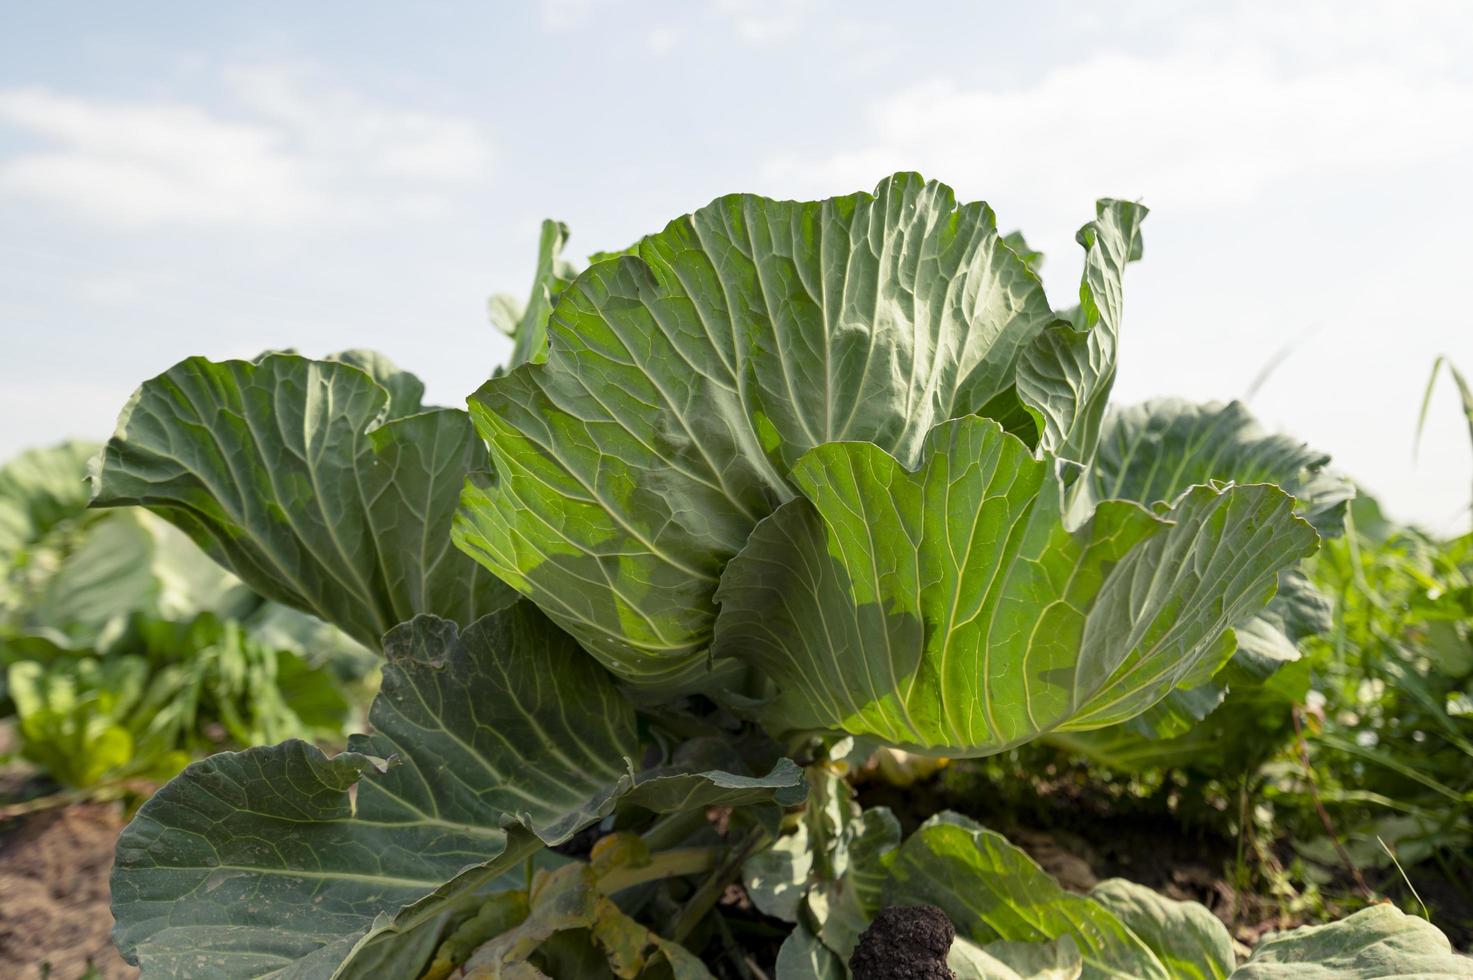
[
  {"x": 905, "y": 942},
  {"x": 54, "y": 867}
]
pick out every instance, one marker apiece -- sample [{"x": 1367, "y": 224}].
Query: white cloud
[
  {"x": 1420, "y": 35},
  {"x": 326, "y": 121},
  {"x": 564, "y": 15},
  {"x": 294, "y": 151},
  {"x": 755, "y": 22},
  {"x": 147, "y": 164},
  {"x": 662, "y": 39},
  {"x": 114, "y": 291},
  {"x": 1205, "y": 123},
  {"x": 763, "y": 23}
]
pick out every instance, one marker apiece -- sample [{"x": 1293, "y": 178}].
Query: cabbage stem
[{"x": 675, "y": 863}]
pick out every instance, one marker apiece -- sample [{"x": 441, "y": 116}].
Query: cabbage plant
[
  {"x": 123, "y": 647},
  {"x": 780, "y": 483}
]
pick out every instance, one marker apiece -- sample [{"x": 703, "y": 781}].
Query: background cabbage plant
[{"x": 123, "y": 648}]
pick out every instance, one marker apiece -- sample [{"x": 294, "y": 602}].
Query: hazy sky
[{"x": 182, "y": 178}]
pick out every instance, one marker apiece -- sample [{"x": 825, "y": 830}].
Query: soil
[{"x": 54, "y": 867}]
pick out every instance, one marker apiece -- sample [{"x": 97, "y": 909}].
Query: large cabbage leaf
[
  {"x": 1152, "y": 453},
  {"x": 1028, "y": 926},
  {"x": 1235, "y": 737},
  {"x": 952, "y": 610},
  {"x": 1186, "y": 937},
  {"x": 487, "y": 743},
  {"x": 683, "y": 380},
  {"x": 992, "y": 891},
  {"x": 303, "y": 478},
  {"x": 1155, "y": 450},
  {"x": 1005, "y": 960},
  {"x": 1376, "y": 943}
]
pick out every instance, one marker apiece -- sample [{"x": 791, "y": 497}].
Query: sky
[{"x": 220, "y": 179}]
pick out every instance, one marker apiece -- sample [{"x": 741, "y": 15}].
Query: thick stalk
[
  {"x": 673, "y": 828},
  {"x": 675, "y": 863}
]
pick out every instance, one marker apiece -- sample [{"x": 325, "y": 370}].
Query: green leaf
[
  {"x": 663, "y": 791},
  {"x": 851, "y": 850},
  {"x": 1235, "y": 738},
  {"x": 571, "y": 954},
  {"x": 559, "y": 901},
  {"x": 1031, "y": 257},
  {"x": 285, "y": 628},
  {"x": 218, "y": 673},
  {"x": 1377, "y": 942},
  {"x": 406, "y": 392},
  {"x": 1154, "y": 452},
  {"x": 1190, "y": 941},
  {"x": 566, "y": 900},
  {"x": 73, "y": 716},
  {"x": 1003, "y": 902},
  {"x": 1465, "y": 390},
  {"x": 776, "y": 877},
  {"x": 497, "y": 739},
  {"x": 951, "y": 611},
  {"x": 1067, "y": 372},
  {"x": 305, "y": 698},
  {"x": 76, "y": 579},
  {"x": 263, "y": 855},
  {"x": 1056, "y": 960},
  {"x": 803, "y": 957},
  {"x": 827, "y": 875},
  {"x": 39, "y": 489},
  {"x": 683, "y": 382},
  {"x": 502, "y": 911},
  {"x": 993, "y": 891},
  {"x": 526, "y": 324},
  {"x": 108, "y": 576},
  {"x": 43, "y": 500},
  {"x": 292, "y": 474},
  {"x": 843, "y": 905},
  {"x": 131, "y": 562},
  {"x": 1271, "y": 639}
]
